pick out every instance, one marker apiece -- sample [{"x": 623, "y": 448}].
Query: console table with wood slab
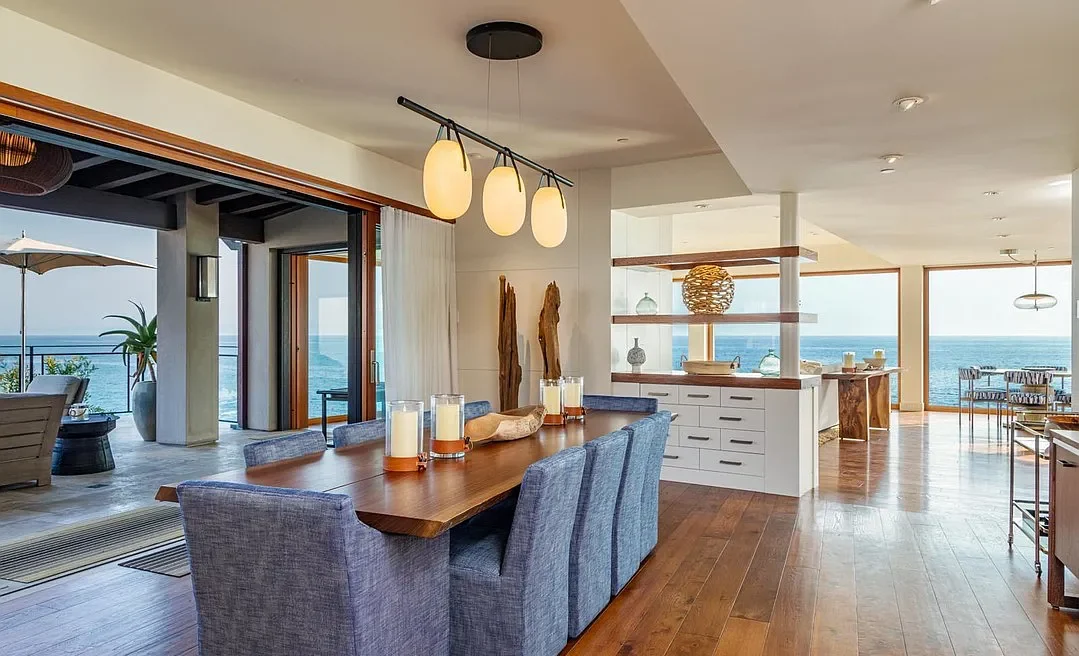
[{"x": 865, "y": 401}]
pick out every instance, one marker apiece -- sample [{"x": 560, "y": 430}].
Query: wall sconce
[{"x": 207, "y": 277}]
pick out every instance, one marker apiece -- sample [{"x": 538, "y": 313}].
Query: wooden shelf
[
  {"x": 679, "y": 319},
  {"x": 726, "y": 259}
]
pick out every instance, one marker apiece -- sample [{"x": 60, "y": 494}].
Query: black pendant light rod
[{"x": 479, "y": 138}]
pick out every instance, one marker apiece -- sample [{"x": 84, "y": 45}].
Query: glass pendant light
[
  {"x": 504, "y": 200},
  {"x": 549, "y": 220},
  {"x": 447, "y": 176},
  {"x": 1035, "y": 301}
]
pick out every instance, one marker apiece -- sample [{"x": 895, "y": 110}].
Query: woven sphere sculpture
[{"x": 708, "y": 289}]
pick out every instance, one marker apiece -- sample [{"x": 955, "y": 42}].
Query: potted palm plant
[{"x": 140, "y": 342}]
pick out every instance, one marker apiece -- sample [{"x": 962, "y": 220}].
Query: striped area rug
[
  {"x": 170, "y": 561},
  {"x": 54, "y": 553}
]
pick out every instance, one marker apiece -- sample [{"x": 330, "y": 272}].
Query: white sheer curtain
[{"x": 419, "y": 291}]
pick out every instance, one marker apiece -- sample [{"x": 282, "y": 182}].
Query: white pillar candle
[
  {"x": 552, "y": 401},
  {"x": 403, "y": 441},
  {"x": 448, "y": 422},
  {"x": 572, "y": 394},
  {"x": 848, "y": 359},
  {"x": 878, "y": 354}
]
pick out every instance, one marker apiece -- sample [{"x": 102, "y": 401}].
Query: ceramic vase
[{"x": 636, "y": 356}]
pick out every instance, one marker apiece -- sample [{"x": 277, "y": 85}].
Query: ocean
[{"x": 109, "y": 387}]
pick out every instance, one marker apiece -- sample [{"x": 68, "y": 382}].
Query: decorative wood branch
[
  {"x": 509, "y": 365},
  {"x": 548, "y": 332}
]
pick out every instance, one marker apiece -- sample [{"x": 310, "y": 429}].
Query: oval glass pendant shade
[
  {"x": 447, "y": 180},
  {"x": 504, "y": 201},
  {"x": 1035, "y": 301},
  {"x": 549, "y": 220}
]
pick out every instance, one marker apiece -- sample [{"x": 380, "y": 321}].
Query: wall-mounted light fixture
[{"x": 207, "y": 277}]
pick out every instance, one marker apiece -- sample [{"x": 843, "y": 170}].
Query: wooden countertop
[
  {"x": 859, "y": 375},
  {"x": 756, "y": 381},
  {"x": 1069, "y": 437},
  {"x": 427, "y": 503}
]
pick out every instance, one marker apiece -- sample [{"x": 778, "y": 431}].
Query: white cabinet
[
  {"x": 733, "y": 418},
  {"x": 694, "y": 395},
  {"x": 676, "y": 456},
  {"x": 743, "y": 398},
  {"x": 661, "y": 393}
]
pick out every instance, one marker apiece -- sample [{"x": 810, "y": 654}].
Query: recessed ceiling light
[
  {"x": 887, "y": 170},
  {"x": 623, "y": 140},
  {"x": 1060, "y": 183},
  {"x": 701, "y": 206},
  {"x": 933, "y": 2},
  {"x": 891, "y": 159},
  {"x": 998, "y": 218},
  {"x": 990, "y": 193},
  {"x": 1003, "y": 236},
  {"x": 907, "y": 103}
]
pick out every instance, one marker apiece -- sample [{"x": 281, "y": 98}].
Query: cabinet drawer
[
  {"x": 734, "y": 397},
  {"x": 676, "y": 456},
  {"x": 700, "y": 438},
  {"x": 747, "y": 464},
  {"x": 661, "y": 393},
  {"x": 685, "y": 415},
  {"x": 626, "y": 389},
  {"x": 744, "y": 441},
  {"x": 1066, "y": 517},
  {"x": 696, "y": 395},
  {"x": 736, "y": 418}
]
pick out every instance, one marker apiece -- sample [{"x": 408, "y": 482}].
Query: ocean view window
[{"x": 972, "y": 322}]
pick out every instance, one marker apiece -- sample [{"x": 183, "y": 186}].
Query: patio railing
[{"x": 110, "y": 372}]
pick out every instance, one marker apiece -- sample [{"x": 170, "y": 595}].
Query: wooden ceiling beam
[
  {"x": 162, "y": 186},
  {"x": 252, "y": 204},
  {"x": 87, "y": 162},
  {"x": 218, "y": 193}
]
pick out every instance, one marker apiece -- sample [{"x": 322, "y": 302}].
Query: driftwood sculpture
[
  {"x": 548, "y": 332},
  {"x": 509, "y": 365},
  {"x": 499, "y": 427}
]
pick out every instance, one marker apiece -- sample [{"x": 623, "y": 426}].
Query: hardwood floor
[{"x": 902, "y": 550}]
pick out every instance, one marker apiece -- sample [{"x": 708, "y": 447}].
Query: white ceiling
[
  {"x": 338, "y": 66},
  {"x": 798, "y": 95}
]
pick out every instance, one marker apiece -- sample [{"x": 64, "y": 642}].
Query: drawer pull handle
[
  {"x": 1067, "y": 464},
  {"x": 658, "y": 394},
  {"x": 741, "y": 398},
  {"x": 697, "y": 437},
  {"x": 737, "y": 441},
  {"x": 730, "y": 462},
  {"x": 670, "y": 457},
  {"x": 730, "y": 419},
  {"x": 698, "y": 396}
]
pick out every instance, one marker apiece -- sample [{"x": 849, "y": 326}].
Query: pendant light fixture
[
  {"x": 549, "y": 213},
  {"x": 504, "y": 200},
  {"x": 447, "y": 175},
  {"x": 32, "y": 168},
  {"x": 1034, "y": 300},
  {"x": 16, "y": 150}
]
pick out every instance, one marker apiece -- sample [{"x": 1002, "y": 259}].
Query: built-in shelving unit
[
  {"x": 725, "y": 259},
  {"x": 682, "y": 319}
]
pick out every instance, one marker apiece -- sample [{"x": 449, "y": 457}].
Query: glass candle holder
[
  {"x": 573, "y": 397},
  {"x": 404, "y": 437},
  {"x": 878, "y": 354},
  {"x": 551, "y": 398},
  {"x": 448, "y": 426},
  {"x": 848, "y": 361}
]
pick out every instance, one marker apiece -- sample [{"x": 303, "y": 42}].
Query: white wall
[
  {"x": 41, "y": 58},
  {"x": 683, "y": 180},
  {"x": 581, "y": 268},
  {"x": 633, "y": 236},
  {"x": 307, "y": 227}
]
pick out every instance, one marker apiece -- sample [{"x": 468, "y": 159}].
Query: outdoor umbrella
[{"x": 30, "y": 255}]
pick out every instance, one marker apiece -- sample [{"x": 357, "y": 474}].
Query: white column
[
  {"x": 1073, "y": 306},
  {"x": 187, "y": 330},
  {"x": 790, "y": 234},
  {"x": 911, "y": 346},
  {"x": 593, "y": 225}
]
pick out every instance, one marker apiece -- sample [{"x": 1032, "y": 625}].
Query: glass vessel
[
  {"x": 447, "y": 426},
  {"x": 769, "y": 365},
  {"x": 848, "y": 361},
  {"x": 573, "y": 397},
  {"x": 404, "y": 437},
  {"x": 647, "y": 305},
  {"x": 551, "y": 398}
]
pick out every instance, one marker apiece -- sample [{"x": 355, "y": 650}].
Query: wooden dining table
[{"x": 423, "y": 503}]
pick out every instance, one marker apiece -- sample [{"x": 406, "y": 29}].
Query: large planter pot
[{"x": 144, "y": 409}]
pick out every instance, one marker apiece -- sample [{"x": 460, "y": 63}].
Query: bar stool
[
  {"x": 973, "y": 395},
  {"x": 1042, "y": 398}
]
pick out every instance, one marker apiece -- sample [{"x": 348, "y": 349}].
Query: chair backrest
[
  {"x": 626, "y": 543},
  {"x": 28, "y": 427},
  {"x": 657, "y": 444},
  {"x": 72, "y": 387},
  {"x": 475, "y": 409},
  {"x": 590, "y": 546},
  {"x": 970, "y": 373},
  {"x": 620, "y": 403},
  {"x": 1028, "y": 377},
  {"x": 537, "y": 551},
  {"x": 281, "y": 572},
  {"x": 282, "y": 448},
  {"x": 364, "y": 431}
]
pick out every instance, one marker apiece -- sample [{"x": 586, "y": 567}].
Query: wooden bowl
[
  {"x": 1064, "y": 422},
  {"x": 710, "y": 367},
  {"x": 509, "y": 425},
  {"x": 876, "y": 363}
]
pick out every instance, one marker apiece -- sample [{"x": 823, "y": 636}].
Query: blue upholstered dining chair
[
  {"x": 508, "y": 584},
  {"x": 626, "y": 541},
  {"x": 620, "y": 403},
  {"x": 364, "y": 431},
  {"x": 657, "y": 444},
  {"x": 590, "y": 547},
  {"x": 281, "y": 572},
  {"x": 282, "y": 448}
]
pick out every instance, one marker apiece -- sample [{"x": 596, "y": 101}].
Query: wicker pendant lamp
[{"x": 31, "y": 168}]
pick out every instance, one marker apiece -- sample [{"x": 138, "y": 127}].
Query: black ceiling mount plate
[{"x": 504, "y": 40}]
